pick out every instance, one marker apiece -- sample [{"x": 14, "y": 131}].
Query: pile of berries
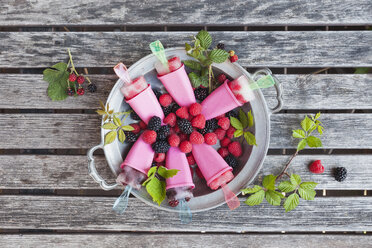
[{"x": 79, "y": 81}]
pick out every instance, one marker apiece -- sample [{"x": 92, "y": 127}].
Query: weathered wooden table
[{"x": 46, "y": 196}]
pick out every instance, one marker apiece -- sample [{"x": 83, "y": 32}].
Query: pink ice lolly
[
  {"x": 131, "y": 88},
  {"x": 241, "y": 89},
  {"x": 173, "y": 64}
]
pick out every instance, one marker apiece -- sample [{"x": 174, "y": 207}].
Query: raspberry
[
  {"x": 340, "y": 173},
  {"x": 174, "y": 140},
  {"x": 185, "y": 126},
  {"x": 231, "y": 160},
  {"x": 234, "y": 58},
  {"x": 163, "y": 132},
  {"x": 159, "y": 157},
  {"x": 210, "y": 138},
  {"x": 220, "y": 116},
  {"x": 221, "y": 46},
  {"x": 225, "y": 142},
  {"x": 136, "y": 127},
  {"x": 316, "y": 167},
  {"x": 223, "y": 151},
  {"x": 72, "y": 77},
  {"x": 134, "y": 116},
  {"x": 176, "y": 129},
  {"x": 80, "y": 79},
  {"x": 195, "y": 109},
  {"x": 198, "y": 173},
  {"x": 211, "y": 124},
  {"x": 171, "y": 119},
  {"x": 235, "y": 149},
  {"x": 70, "y": 92},
  {"x": 230, "y": 132},
  {"x": 190, "y": 159},
  {"x": 173, "y": 203},
  {"x": 221, "y": 78},
  {"x": 198, "y": 121},
  {"x": 224, "y": 123},
  {"x": 185, "y": 146},
  {"x": 196, "y": 138},
  {"x": 160, "y": 146},
  {"x": 201, "y": 94},
  {"x": 183, "y": 136},
  {"x": 165, "y": 100},
  {"x": 154, "y": 123},
  {"x": 130, "y": 137},
  {"x": 149, "y": 136},
  {"x": 182, "y": 113},
  {"x": 80, "y": 91},
  {"x": 142, "y": 125},
  {"x": 92, "y": 88},
  {"x": 220, "y": 133}
]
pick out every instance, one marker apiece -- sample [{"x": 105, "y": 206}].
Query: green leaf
[
  {"x": 273, "y": 197},
  {"x": 320, "y": 130},
  {"x": 57, "y": 78},
  {"x": 243, "y": 118},
  {"x": 101, "y": 112},
  {"x": 295, "y": 179},
  {"x": 314, "y": 141},
  {"x": 127, "y": 128},
  {"x": 110, "y": 137},
  {"x": 164, "y": 172},
  {"x": 117, "y": 121},
  {"x": 194, "y": 79},
  {"x": 291, "y": 202},
  {"x": 204, "y": 81},
  {"x": 236, "y": 123},
  {"x": 308, "y": 185},
  {"x": 250, "y": 119},
  {"x": 269, "y": 182},
  {"x": 299, "y": 133},
  {"x": 238, "y": 133},
  {"x": 251, "y": 190},
  {"x": 250, "y": 138},
  {"x": 362, "y": 70},
  {"x": 152, "y": 171},
  {"x": 187, "y": 47},
  {"x": 317, "y": 116},
  {"x": 307, "y": 194},
  {"x": 301, "y": 145},
  {"x": 218, "y": 55},
  {"x": 286, "y": 186},
  {"x": 306, "y": 124},
  {"x": 192, "y": 64},
  {"x": 205, "y": 39},
  {"x": 156, "y": 190},
  {"x": 121, "y": 136},
  {"x": 256, "y": 198},
  {"x": 109, "y": 126}
]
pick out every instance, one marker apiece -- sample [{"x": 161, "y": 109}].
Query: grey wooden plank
[
  {"x": 206, "y": 12},
  {"x": 101, "y": 240},
  {"x": 255, "y": 49},
  {"x": 70, "y": 172},
  {"x": 95, "y": 213},
  {"x": 321, "y": 91}
]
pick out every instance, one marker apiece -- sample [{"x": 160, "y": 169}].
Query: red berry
[
  {"x": 72, "y": 77},
  {"x": 80, "y": 79},
  {"x": 159, "y": 157},
  {"x": 190, "y": 159},
  {"x": 230, "y": 132},
  {"x": 171, "y": 119},
  {"x": 183, "y": 136},
  {"x": 234, "y": 58},
  {"x": 225, "y": 142},
  {"x": 220, "y": 116},
  {"x": 220, "y": 133},
  {"x": 176, "y": 128},
  {"x": 235, "y": 149},
  {"x": 316, "y": 167},
  {"x": 195, "y": 109},
  {"x": 136, "y": 127},
  {"x": 221, "y": 78},
  {"x": 149, "y": 136},
  {"x": 198, "y": 121},
  {"x": 198, "y": 173},
  {"x": 210, "y": 138},
  {"x": 174, "y": 140},
  {"x": 223, "y": 151},
  {"x": 80, "y": 91},
  {"x": 196, "y": 138},
  {"x": 165, "y": 100},
  {"x": 186, "y": 146},
  {"x": 142, "y": 125},
  {"x": 224, "y": 123},
  {"x": 182, "y": 113}
]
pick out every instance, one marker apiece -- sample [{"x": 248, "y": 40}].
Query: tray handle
[{"x": 93, "y": 172}]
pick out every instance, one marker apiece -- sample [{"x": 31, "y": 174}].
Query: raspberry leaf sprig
[
  {"x": 295, "y": 188},
  {"x": 242, "y": 126}
]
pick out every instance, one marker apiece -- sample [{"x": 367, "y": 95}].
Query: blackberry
[
  {"x": 167, "y": 110},
  {"x": 160, "y": 146},
  {"x": 175, "y": 107},
  {"x": 92, "y": 88},
  {"x": 185, "y": 126},
  {"x": 211, "y": 124},
  {"x": 231, "y": 113},
  {"x": 221, "y": 46},
  {"x": 203, "y": 131},
  {"x": 154, "y": 123},
  {"x": 163, "y": 132},
  {"x": 201, "y": 93},
  {"x": 231, "y": 160},
  {"x": 70, "y": 92},
  {"x": 134, "y": 116},
  {"x": 157, "y": 93},
  {"x": 340, "y": 173},
  {"x": 130, "y": 137}
]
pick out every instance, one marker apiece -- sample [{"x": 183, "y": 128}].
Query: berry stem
[
  {"x": 210, "y": 78},
  {"x": 86, "y": 75},
  {"x": 284, "y": 171},
  {"x": 72, "y": 62}
]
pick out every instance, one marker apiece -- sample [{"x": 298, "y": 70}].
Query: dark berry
[
  {"x": 185, "y": 126},
  {"x": 92, "y": 88},
  {"x": 175, "y": 107},
  {"x": 167, "y": 110},
  {"x": 70, "y": 92},
  {"x": 154, "y": 164},
  {"x": 163, "y": 132},
  {"x": 157, "y": 93},
  {"x": 154, "y": 123},
  {"x": 80, "y": 91},
  {"x": 340, "y": 173},
  {"x": 231, "y": 113},
  {"x": 201, "y": 93},
  {"x": 211, "y": 124},
  {"x": 130, "y": 137},
  {"x": 80, "y": 79},
  {"x": 134, "y": 116},
  {"x": 221, "y": 46},
  {"x": 203, "y": 131},
  {"x": 231, "y": 160},
  {"x": 160, "y": 146},
  {"x": 72, "y": 77}
]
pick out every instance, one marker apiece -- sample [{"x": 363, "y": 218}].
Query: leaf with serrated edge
[
  {"x": 238, "y": 133},
  {"x": 156, "y": 190},
  {"x": 299, "y": 133},
  {"x": 250, "y": 119},
  {"x": 151, "y": 171},
  {"x": 306, "y": 124},
  {"x": 317, "y": 116},
  {"x": 187, "y": 47},
  {"x": 301, "y": 145},
  {"x": 307, "y": 194},
  {"x": 243, "y": 118},
  {"x": 250, "y": 138},
  {"x": 117, "y": 121},
  {"x": 205, "y": 39},
  {"x": 109, "y": 126},
  {"x": 192, "y": 64},
  {"x": 164, "y": 172},
  {"x": 236, "y": 123},
  {"x": 110, "y": 137},
  {"x": 256, "y": 198},
  {"x": 194, "y": 79},
  {"x": 251, "y": 190},
  {"x": 286, "y": 186},
  {"x": 291, "y": 202},
  {"x": 100, "y": 112},
  {"x": 218, "y": 55},
  {"x": 308, "y": 185},
  {"x": 204, "y": 81},
  {"x": 57, "y": 79},
  {"x": 269, "y": 182},
  {"x": 295, "y": 179},
  {"x": 272, "y": 198},
  {"x": 127, "y": 128},
  {"x": 121, "y": 136},
  {"x": 320, "y": 130},
  {"x": 313, "y": 141},
  {"x": 102, "y": 105}
]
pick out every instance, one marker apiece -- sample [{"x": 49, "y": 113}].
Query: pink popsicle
[
  {"x": 173, "y": 64},
  {"x": 131, "y": 88},
  {"x": 241, "y": 90}
]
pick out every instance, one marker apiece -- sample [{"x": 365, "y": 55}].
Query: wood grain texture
[
  {"x": 95, "y": 213},
  {"x": 336, "y": 91},
  {"x": 70, "y": 172},
  {"x": 205, "y": 12},
  {"x": 53, "y": 131},
  {"x": 255, "y": 49},
  {"x": 101, "y": 240}
]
